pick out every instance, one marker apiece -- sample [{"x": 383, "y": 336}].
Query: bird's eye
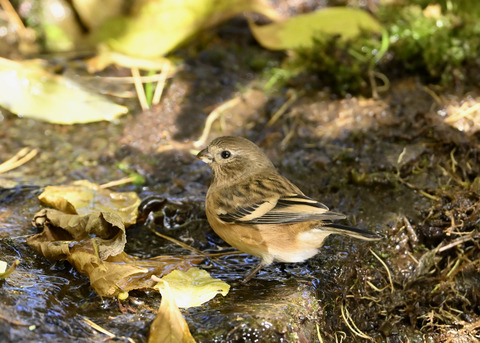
[{"x": 225, "y": 154}]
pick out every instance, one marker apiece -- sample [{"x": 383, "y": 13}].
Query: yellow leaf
[
  {"x": 4, "y": 271},
  {"x": 30, "y": 91},
  {"x": 299, "y": 31},
  {"x": 194, "y": 287},
  {"x": 84, "y": 197},
  {"x": 169, "y": 326},
  {"x": 159, "y": 26}
]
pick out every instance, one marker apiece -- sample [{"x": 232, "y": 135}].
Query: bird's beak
[{"x": 205, "y": 156}]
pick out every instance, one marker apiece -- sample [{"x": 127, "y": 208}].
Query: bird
[{"x": 256, "y": 210}]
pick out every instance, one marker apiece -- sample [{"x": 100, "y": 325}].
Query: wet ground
[{"x": 395, "y": 165}]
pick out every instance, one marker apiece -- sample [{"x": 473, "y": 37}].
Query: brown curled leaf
[
  {"x": 94, "y": 245},
  {"x": 69, "y": 232}
]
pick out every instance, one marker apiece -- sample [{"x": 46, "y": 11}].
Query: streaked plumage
[{"x": 258, "y": 211}]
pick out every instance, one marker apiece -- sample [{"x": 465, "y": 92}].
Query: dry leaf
[
  {"x": 101, "y": 231},
  {"x": 84, "y": 197},
  {"x": 194, "y": 287},
  {"x": 94, "y": 244},
  {"x": 169, "y": 326}
]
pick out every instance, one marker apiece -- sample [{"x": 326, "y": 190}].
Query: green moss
[
  {"x": 343, "y": 66},
  {"x": 439, "y": 48}
]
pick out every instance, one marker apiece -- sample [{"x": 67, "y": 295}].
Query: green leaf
[
  {"x": 159, "y": 26},
  {"x": 4, "y": 271},
  {"x": 194, "y": 287},
  {"x": 299, "y": 31},
  {"x": 30, "y": 91}
]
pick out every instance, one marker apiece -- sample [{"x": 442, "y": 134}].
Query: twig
[
  {"x": 104, "y": 331},
  {"x": 157, "y": 95},
  {"x": 142, "y": 98},
  {"x": 118, "y": 182},
  {"x": 98, "y": 327},
  {"x": 462, "y": 113},
  {"x": 13, "y": 17},
  {"x": 181, "y": 244},
  {"x": 127, "y": 79},
  {"x": 14, "y": 322},
  {"x": 456, "y": 242},
  {"x": 20, "y": 158}
]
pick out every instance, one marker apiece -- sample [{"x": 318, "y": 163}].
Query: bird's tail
[{"x": 352, "y": 231}]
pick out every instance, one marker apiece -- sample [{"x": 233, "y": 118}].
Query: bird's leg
[{"x": 253, "y": 272}]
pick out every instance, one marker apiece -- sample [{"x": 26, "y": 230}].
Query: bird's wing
[{"x": 294, "y": 208}]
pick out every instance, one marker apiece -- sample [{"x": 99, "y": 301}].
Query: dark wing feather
[
  {"x": 295, "y": 208},
  {"x": 270, "y": 198}
]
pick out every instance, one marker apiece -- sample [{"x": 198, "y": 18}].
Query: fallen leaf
[
  {"x": 158, "y": 27},
  {"x": 122, "y": 273},
  {"x": 193, "y": 287},
  {"x": 4, "y": 271},
  {"x": 169, "y": 326},
  {"x": 84, "y": 197},
  {"x": 299, "y": 31},
  {"x": 28, "y": 90},
  {"x": 101, "y": 232},
  {"x": 94, "y": 244}
]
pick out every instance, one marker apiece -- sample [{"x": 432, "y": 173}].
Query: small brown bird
[{"x": 258, "y": 211}]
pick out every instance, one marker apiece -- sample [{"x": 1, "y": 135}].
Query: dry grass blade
[
  {"x": 386, "y": 268},
  {"x": 127, "y": 79},
  {"x": 214, "y": 115},
  {"x": 98, "y": 327},
  {"x": 105, "y": 332},
  {"x": 375, "y": 288},
  {"x": 157, "y": 95},
  {"x": 142, "y": 97},
  {"x": 181, "y": 244},
  {"x": 351, "y": 324},
  {"x": 13, "y": 17},
  {"x": 20, "y": 158},
  {"x": 319, "y": 336},
  {"x": 434, "y": 95},
  {"x": 118, "y": 182},
  {"x": 283, "y": 109},
  {"x": 464, "y": 111},
  {"x": 340, "y": 336},
  {"x": 458, "y": 241},
  {"x": 13, "y": 322}
]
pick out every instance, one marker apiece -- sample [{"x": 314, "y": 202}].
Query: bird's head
[{"x": 234, "y": 157}]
